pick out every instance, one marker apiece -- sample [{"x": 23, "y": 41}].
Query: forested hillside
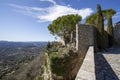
[{"x": 20, "y": 60}]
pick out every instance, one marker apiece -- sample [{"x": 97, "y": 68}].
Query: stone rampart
[
  {"x": 85, "y": 37},
  {"x": 87, "y": 70},
  {"x": 117, "y": 33}
]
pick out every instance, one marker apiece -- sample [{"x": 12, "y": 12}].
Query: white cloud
[
  {"x": 29, "y": 11},
  {"x": 52, "y": 12},
  {"x": 52, "y": 1},
  {"x": 58, "y": 10},
  {"x": 117, "y": 15}
]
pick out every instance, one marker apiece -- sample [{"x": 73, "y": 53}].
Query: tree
[
  {"x": 100, "y": 28},
  {"x": 92, "y": 18},
  {"x": 107, "y": 14},
  {"x": 64, "y": 26},
  {"x": 110, "y": 32}
]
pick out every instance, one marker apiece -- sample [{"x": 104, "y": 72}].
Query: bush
[
  {"x": 52, "y": 47},
  {"x": 59, "y": 64}
]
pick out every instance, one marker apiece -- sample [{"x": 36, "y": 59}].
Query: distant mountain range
[{"x": 10, "y": 43}]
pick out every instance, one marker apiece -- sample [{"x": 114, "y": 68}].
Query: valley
[{"x": 21, "y": 60}]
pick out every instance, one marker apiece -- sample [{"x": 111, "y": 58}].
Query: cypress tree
[
  {"x": 110, "y": 32},
  {"x": 100, "y": 28}
]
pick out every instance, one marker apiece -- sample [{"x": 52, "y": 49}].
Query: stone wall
[
  {"x": 117, "y": 33},
  {"x": 85, "y": 37}
]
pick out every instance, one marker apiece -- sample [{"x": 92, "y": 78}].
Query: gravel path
[{"x": 107, "y": 64}]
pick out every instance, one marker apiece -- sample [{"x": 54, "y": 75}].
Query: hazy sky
[{"x": 27, "y": 20}]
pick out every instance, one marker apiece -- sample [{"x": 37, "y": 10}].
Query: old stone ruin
[
  {"x": 78, "y": 59},
  {"x": 85, "y": 43},
  {"x": 86, "y": 46},
  {"x": 80, "y": 64}
]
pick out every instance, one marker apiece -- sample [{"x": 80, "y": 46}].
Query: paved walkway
[
  {"x": 87, "y": 70},
  {"x": 107, "y": 64}
]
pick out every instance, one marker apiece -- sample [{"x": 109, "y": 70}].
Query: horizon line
[{"x": 24, "y": 41}]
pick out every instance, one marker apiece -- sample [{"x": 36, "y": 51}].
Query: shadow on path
[
  {"x": 113, "y": 50},
  {"x": 103, "y": 69}
]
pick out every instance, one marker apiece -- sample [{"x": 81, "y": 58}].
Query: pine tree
[{"x": 64, "y": 26}]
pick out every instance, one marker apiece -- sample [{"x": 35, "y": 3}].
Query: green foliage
[
  {"x": 65, "y": 23},
  {"x": 52, "y": 47},
  {"x": 108, "y": 12},
  {"x": 59, "y": 64},
  {"x": 60, "y": 60},
  {"x": 92, "y": 18},
  {"x": 45, "y": 60},
  {"x": 98, "y": 20},
  {"x": 110, "y": 32},
  {"x": 47, "y": 47},
  {"x": 21, "y": 65},
  {"x": 63, "y": 26},
  {"x": 100, "y": 28}
]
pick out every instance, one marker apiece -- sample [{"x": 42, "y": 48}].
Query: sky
[{"x": 27, "y": 20}]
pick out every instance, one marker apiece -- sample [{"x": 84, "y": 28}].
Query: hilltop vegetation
[
  {"x": 64, "y": 27},
  {"x": 61, "y": 60},
  {"x": 61, "y": 54}
]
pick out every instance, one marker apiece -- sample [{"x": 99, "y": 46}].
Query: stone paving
[
  {"x": 101, "y": 65},
  {"x": 107, "y": 64}
]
